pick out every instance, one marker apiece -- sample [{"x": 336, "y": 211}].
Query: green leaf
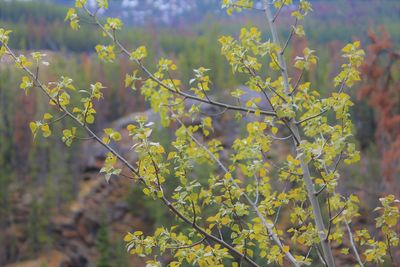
[
  {"x": 73, "y": 18},
  {"x": 139, "y": 54},
  {"x": 146, "y": 191},
  {"x": 102, "y": 3},
  {"x": 80, "y": 3}
]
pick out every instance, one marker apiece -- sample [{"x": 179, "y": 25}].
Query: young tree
[{"x": 237, "y": 216}]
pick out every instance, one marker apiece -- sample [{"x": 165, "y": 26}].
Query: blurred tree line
[{"x": 50, "y": 176}]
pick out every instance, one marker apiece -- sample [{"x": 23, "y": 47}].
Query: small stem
[
  {"x": 289, "y": 38},
  {"x": 191, "y": 245},
  {"x": 204, "y": 92},
  {"x": 281, "y": 138},
  {"x": 58, "y": 119},
  {"x": 320, "y": 190},
  {"x": 390, "y": 251},
  {"x": 84, "y": 138},
  {"x": 297, "y": 83},
  {"x": 353, "y": 245},
  {"x": 215, "y": 114},
  {"x": 312, "y": 117},
  {"x": 279, "y": 11},
  {"x": 161, "y": 84}
]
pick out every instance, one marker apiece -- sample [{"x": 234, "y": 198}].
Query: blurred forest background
[{"x": 54, "y": 207}]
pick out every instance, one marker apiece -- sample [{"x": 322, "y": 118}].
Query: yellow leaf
[
  {"x": 47, "y": 116},
  {"x": 285, "y": 249},
  {"x": 128, "y": 237},
  {"x": 225, "y": 220}
]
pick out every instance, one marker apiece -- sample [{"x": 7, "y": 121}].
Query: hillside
[{"x": 55, "y": 208}]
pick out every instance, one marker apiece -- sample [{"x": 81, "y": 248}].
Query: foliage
[
  {"x": 381, "y": 89},
  {"x": 48, "y": 170},
  {"x": 235, "y": 216}
]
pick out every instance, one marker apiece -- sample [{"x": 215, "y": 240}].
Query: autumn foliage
[
  {"x": 235, "y": 215},
  {"x": 381, "y": 89}
]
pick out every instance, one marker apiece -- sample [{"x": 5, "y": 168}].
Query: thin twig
[
  {"x": 247, "y": 7},
  {"x": 297, "y": 83},
  {"x": 267, "y": 225},
  {"x": 175, "y": 104},
  {"x": 281, "y": 138},
  {"x": 320, "y": 190},
  {"x": 194, "y": 213},
  {"x": 39, "y": 84},
  {"x": 191, "y": 245},
  {"x": 161, "y": 84},
  {"x": 206, "y": 234},
  {"x": 353, "y": 245},
  {"x": 280, "y": 207},
  {"x": 289, "y": 38},
  {"x": 215, "y": 114},
  {"x": 131, "y": 168},
  {"x": 312, "y": 117},
  {"x": 279, "y": 11},
  {"x": 342, "y": 85},
  {"x": 276, "y": 62},
  {"x": 257, "y": 189},
  {"x": 58, "y": 119},
  {"x": 320, "y": 256},
  {"x": 338, "y": 214},
  {"x": 390, "y": 250},
  {"x": 84, "y": 138}
]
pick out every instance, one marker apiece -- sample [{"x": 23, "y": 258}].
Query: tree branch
[
  {"x": 312, "y": 117},
  {"x": 131, "y": 168},
  {"x": 289, "y": 38},
  {"x": 268, "y": 226},
  {"x": 191, "y": 245},
  {"x": 353, "y": 245},
  {"x": 304, "y": 166},
  {"x": 172, "y": 90}
]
